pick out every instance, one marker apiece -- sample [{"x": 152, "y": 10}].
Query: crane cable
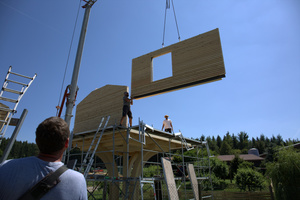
[
  {"x": 168, "y": 7},
  {"x": 62, "y": 85}
]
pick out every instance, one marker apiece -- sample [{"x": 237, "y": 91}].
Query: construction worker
[
  {"x": 17, "y": 176},
  {"x": 126, "y": 109},
  {"x": 167, "y": 124}
]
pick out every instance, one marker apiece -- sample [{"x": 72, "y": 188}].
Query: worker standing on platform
[
  {"x": 126, "y": 109},
  {"x": 167, "y": 124}
]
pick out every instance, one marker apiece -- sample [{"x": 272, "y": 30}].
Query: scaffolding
[{"x": 126, "y": 164}]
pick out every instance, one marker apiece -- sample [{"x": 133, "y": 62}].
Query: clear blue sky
[{"x": 261, "y": 49}]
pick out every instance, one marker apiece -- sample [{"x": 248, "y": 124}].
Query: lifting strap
[
  {"x": 168, "y": 7},
  {"x": 44, "y": 185}
]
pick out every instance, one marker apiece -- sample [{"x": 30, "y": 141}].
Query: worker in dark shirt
[{"x": 126, "y": 109}]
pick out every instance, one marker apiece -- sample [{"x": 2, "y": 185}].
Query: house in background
[{"x": 252, "y": 156}]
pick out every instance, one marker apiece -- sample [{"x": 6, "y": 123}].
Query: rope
[
  {"x": 176, "y": 21},
  {"x": 61, "y": 91},
  {"x": 163, "y": 43},
  {"x": 165, "y": 20}
]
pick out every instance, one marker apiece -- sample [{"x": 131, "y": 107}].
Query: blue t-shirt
[{"x": 19, "y": 175}]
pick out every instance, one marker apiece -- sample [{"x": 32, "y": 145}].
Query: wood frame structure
[{"x": 134, "y": 147}]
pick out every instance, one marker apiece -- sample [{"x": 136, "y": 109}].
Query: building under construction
[{"x": 141, "y": 162}]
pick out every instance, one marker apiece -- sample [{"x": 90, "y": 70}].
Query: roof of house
[{"x": 246, "y": 157}]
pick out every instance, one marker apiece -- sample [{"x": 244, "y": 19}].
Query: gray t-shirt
[{"x": 19, "y": 175}]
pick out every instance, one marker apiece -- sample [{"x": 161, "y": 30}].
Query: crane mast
[{"x": 73, "y": 86}]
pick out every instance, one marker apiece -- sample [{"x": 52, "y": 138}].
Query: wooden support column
[{"x": 113, "y": 187}]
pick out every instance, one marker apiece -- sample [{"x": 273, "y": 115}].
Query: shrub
[
  {"x": 285, "y": 174},
  {"x": 219, "y": 168},
  {"x": 247, "y": 178},
  {"x": 218, "y": 184},
  {"x": 246, "y": 164},
  {"x": 152, "y": 170}
]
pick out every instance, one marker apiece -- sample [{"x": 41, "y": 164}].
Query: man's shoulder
[
  {"x": 18, "y": 161},
  {"x": 72, "y": 174}
]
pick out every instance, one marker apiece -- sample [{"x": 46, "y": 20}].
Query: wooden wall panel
[
  {"x": 195, "y": 61},
  {"x": 169, "y": 179},
  {"x": 194, "y": 182},
  {"x": 104, "y": 101}
]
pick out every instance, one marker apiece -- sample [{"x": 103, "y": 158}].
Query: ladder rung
[
  {"x": 5, "y": 109},
  {"x": 17, "y": 82},
  {"x": 21, "y": 75},
  {"x": 12, "y": 91},
  {"x": 7, "y": 99},
  {"x": 3, "y": 121}
]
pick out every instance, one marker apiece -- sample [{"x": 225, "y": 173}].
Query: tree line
[
  {"x": 241, "y": 143},
  {"x": 20, "y": 149},
  {"x": 227, "y": 145}
]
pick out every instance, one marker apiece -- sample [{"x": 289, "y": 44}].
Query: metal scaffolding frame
[{"x": 120, "y": 179}]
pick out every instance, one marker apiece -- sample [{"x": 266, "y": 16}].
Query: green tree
[
  {"x": 243, "y": 140},
  {"x": 219, "y": 168},
  {"x": 202, "y": 138},
  {"x": 219, "y": 141},
  {"x": 225, "y": 148},
  {"x": 213, "y": 144},
  {"x": 249, "y": 179},
  {"x": 234, "y": 142},
  {"x": 246, "y": 164},
  {"x": 151, "y": 170},
  {"x": 234, "y": 165},
  {"x": 270, "y": 153},
  {"x": 228, "y": 139},
  {"x": 285, "y": 174}
]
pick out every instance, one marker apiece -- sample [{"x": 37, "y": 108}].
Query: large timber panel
[
  {"x": 194, "y": 182},
  {"x": 104, "y": 101},
  {"x": 169, "y": 179},
  {"x": 195, "y": 61}
]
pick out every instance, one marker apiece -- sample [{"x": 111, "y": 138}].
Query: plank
[
  {"x": 169, "y": 179},
  {"x": 194, "y": 182}
]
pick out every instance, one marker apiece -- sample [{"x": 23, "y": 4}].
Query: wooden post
[
  {"x": 158, "y": 192},
  {"x": 199, "y": 190}
]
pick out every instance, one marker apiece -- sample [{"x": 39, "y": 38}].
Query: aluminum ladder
[
  {"x": 93, "y": 148},
  {"x": 13, "y": 97},
  {"x": 179, "y": 134}
]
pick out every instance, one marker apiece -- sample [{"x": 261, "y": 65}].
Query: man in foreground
[{"x": 17, "y": 176}]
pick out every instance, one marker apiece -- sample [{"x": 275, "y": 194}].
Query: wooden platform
[{"x": 118, "y": 140}]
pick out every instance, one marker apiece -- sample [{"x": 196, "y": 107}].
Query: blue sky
[{"x": 261, "y": 50}]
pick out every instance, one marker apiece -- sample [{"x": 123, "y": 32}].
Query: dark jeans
[{"x": 168, "y": 130}]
